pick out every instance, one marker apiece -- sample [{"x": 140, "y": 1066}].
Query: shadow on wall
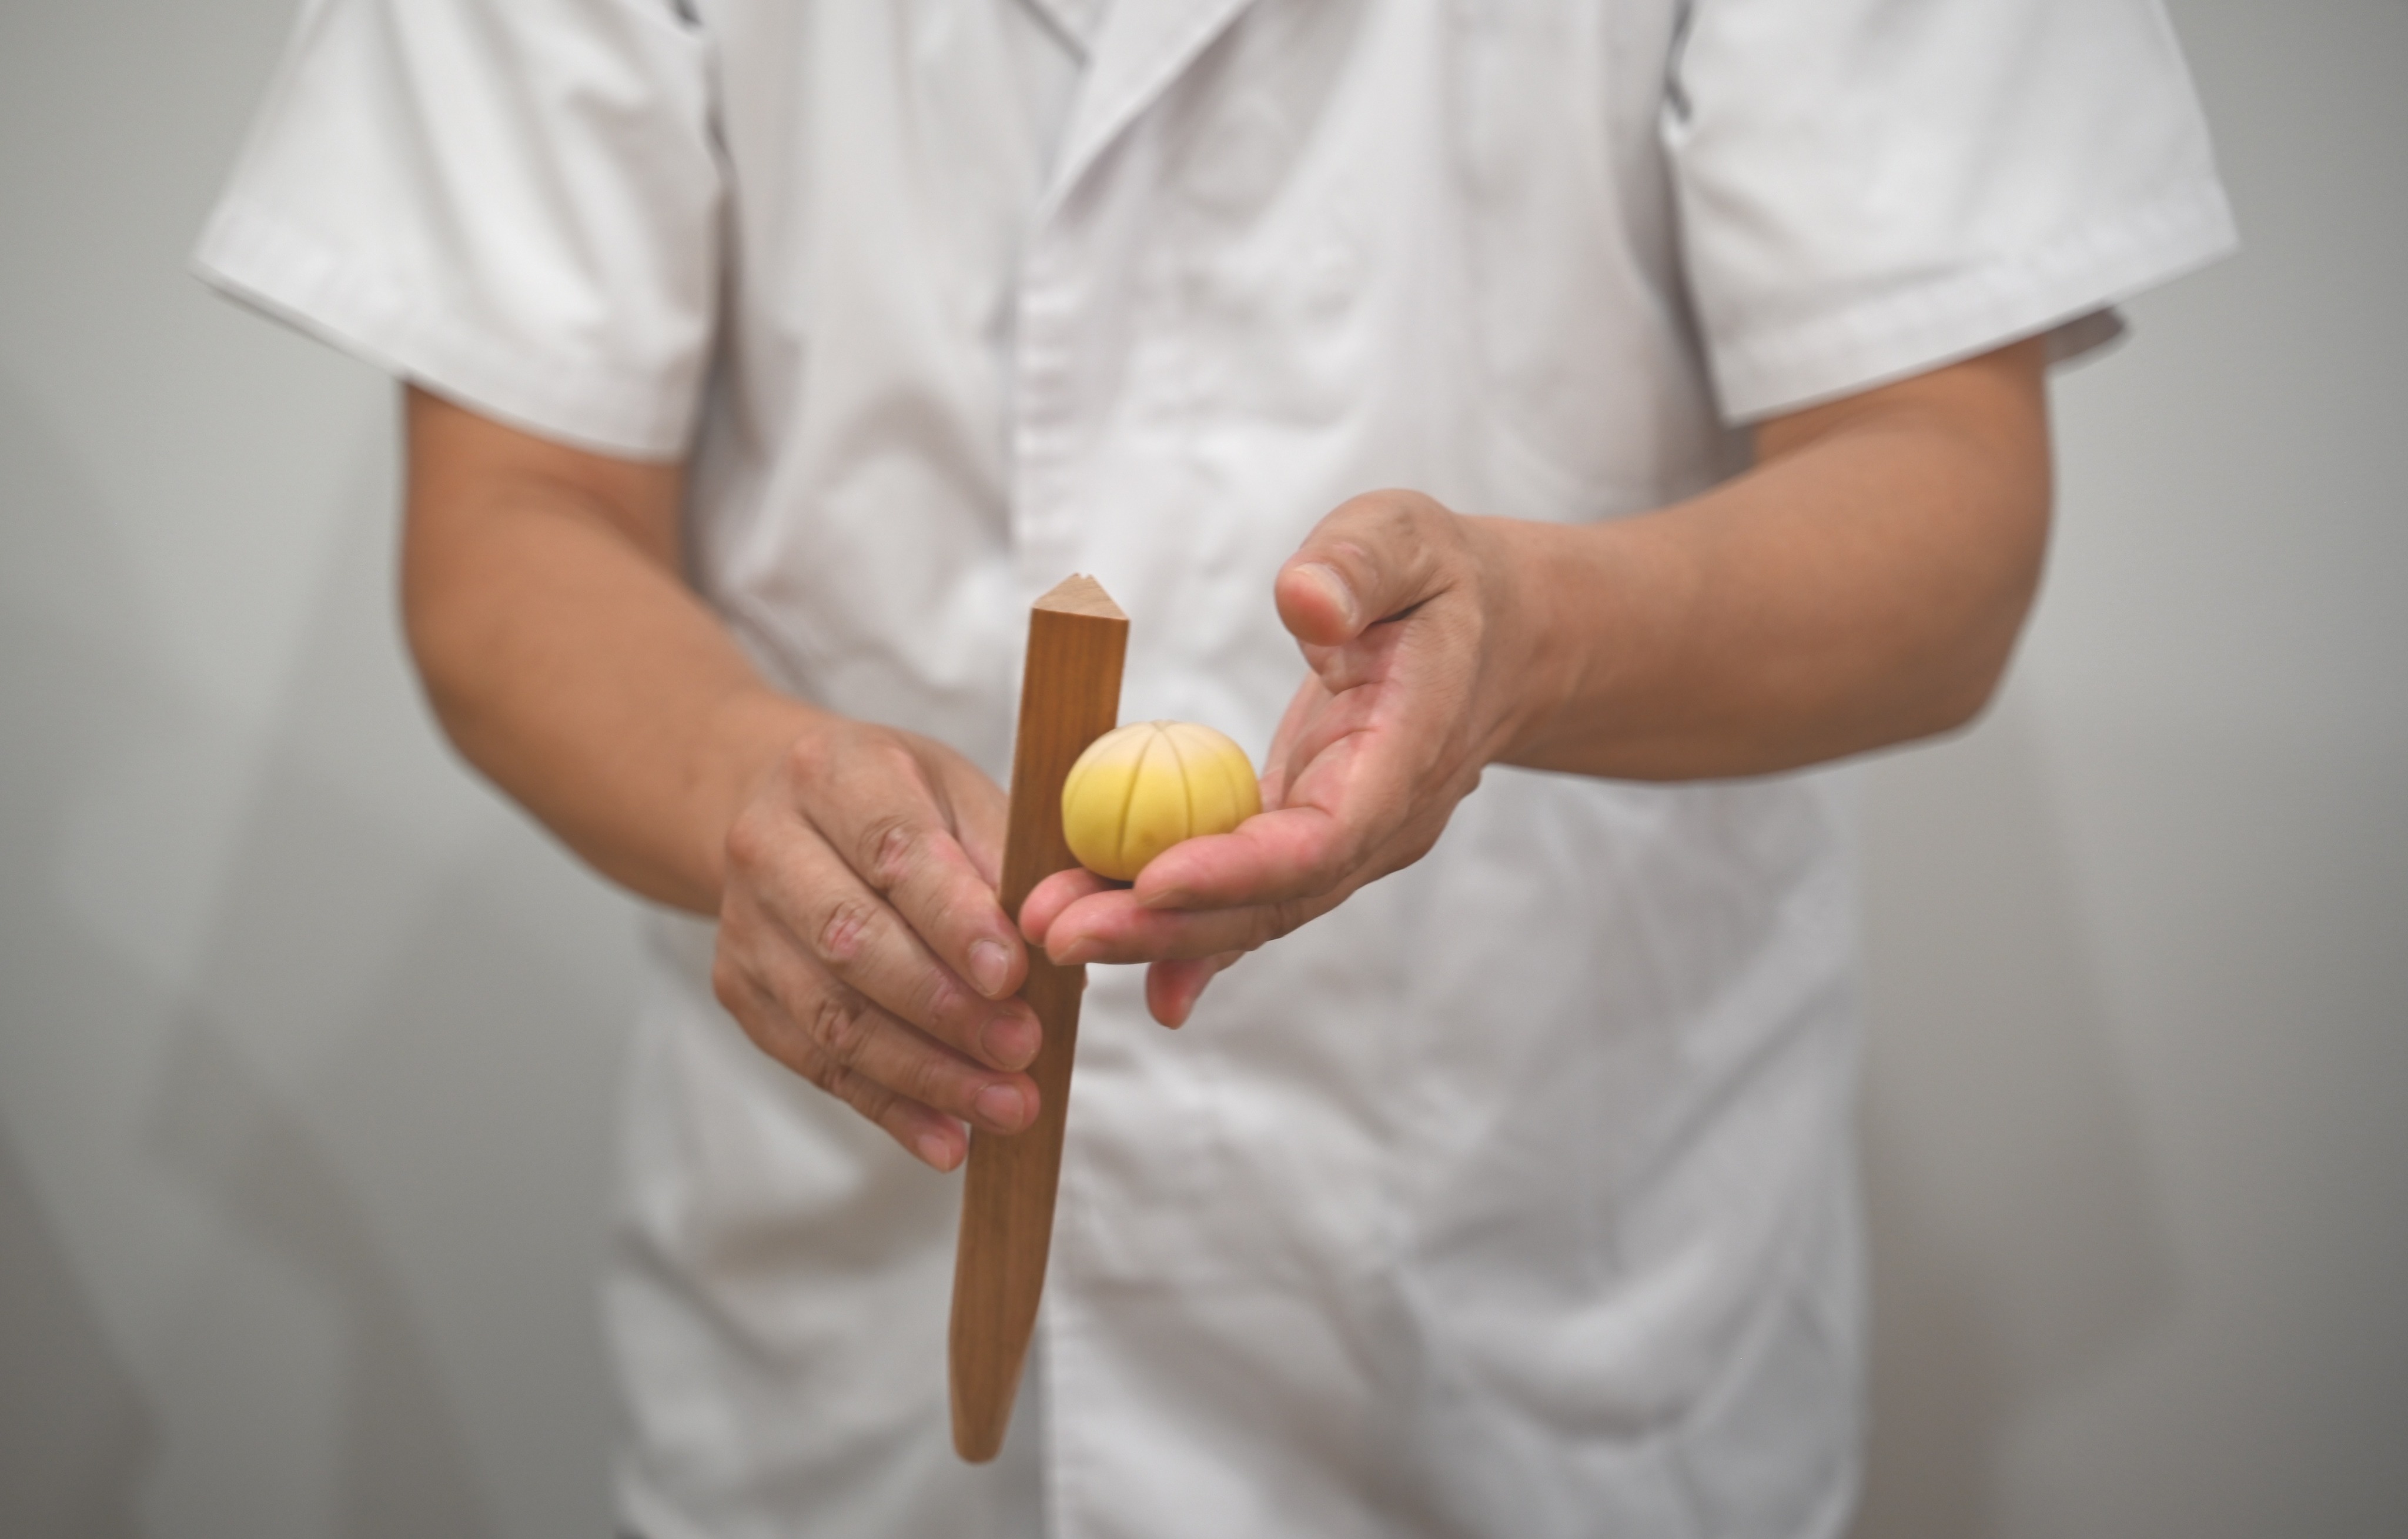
[
  {"x": 85, "y": 683},
  {"x": 74, "y": 1433},
  {"x": 2017, "y": 1248},
  {"x": 77, "y": 1435},
  {"x": 373, "y": 1066},
  {"x": 401, "y": 1470},
  {"x": 440, "y": 1179}
]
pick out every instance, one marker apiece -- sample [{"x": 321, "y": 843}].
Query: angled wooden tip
[{"x": 1080, "y": 595}]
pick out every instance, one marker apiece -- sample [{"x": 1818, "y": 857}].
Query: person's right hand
[{"x": 860, "y": 940}]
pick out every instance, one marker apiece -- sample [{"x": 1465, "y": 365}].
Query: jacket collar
[{"x": 1144, "y": 46}]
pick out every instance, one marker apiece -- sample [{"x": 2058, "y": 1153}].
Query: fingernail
[
  {"x": 1076, "y": 953},
  {"x": 1008, "y": 1042},
  {"x": 990, "y": 965},
  {"x": 1001, "y": 1107},
  {"x": 1328, "y": 581},
  {"x": 936, "y": 1149}
]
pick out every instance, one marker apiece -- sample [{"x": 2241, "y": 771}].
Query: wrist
[
  {"x": 746, "y": 737},
  {"x": 1551, "y": 603}
]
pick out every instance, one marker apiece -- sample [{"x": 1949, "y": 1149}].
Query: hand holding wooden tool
[{"x": 1069, "y": 697}]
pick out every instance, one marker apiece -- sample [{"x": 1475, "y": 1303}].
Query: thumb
[{"x": 1369, "y": 560}]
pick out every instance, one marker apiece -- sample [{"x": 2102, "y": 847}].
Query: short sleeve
[
  {"x": 514, "y": 203},
  {"x": 1868, "y": 189}
]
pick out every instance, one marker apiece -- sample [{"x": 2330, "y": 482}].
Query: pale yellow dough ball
[{"x": 1141, "y": 788}]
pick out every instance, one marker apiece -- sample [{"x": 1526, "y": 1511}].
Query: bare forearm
[
  {"x": 1863, "y": 586},
  {"x": 851, "y": 867},
  {"x": 569, "y": 663}
]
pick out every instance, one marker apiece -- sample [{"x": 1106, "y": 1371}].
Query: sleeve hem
[
  {"x": 2067, "y": 282},
  {"x": 284, "y": 274}
]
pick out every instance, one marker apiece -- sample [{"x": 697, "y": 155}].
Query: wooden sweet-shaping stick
[{"x": 1069, "y": 697}]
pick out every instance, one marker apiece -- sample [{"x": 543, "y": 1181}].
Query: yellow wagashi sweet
[{"x": 1141, "y": 788}]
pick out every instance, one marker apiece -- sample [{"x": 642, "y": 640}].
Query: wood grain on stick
[{"x": 1068, "y": 697}]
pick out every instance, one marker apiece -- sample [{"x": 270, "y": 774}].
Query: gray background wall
[{"x": 308, "y": 1043}]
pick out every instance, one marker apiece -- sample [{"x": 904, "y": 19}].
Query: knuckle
[
  {"x": 926, "y": 1079},
  {"x": 935, "y": 1001},
  {"x": 863, "y": 1093},
  {"x": 889, "y": 848},
  {"x": 841, "y": 1024},
  {"x": 1379, "y": 516},
  {"x": 812, "y": 758},
  {"x": 842, "y": 929},
  {"x": 749, "y": 841},
  {"x": 820, "y": 1070}
]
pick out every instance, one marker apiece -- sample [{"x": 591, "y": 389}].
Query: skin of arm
[
  {"x": 1862, "y": 587},
  {"x": 853, "y": 867}
]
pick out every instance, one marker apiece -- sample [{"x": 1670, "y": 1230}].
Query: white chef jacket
[{"x": 1514, "y": 1196}]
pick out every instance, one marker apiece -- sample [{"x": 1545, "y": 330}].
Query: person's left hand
[{"x": 1422, "y": 668}]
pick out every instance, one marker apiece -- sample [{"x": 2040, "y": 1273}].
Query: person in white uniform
[{"x": 767, "y": 357}]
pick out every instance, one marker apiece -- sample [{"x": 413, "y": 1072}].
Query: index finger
[
  {"x": 901, "y": 847},
  {"x": 1295, "y": 853},
  {"x": 1050, "y": 897},
  {"x": 1221, "y": 893}
]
